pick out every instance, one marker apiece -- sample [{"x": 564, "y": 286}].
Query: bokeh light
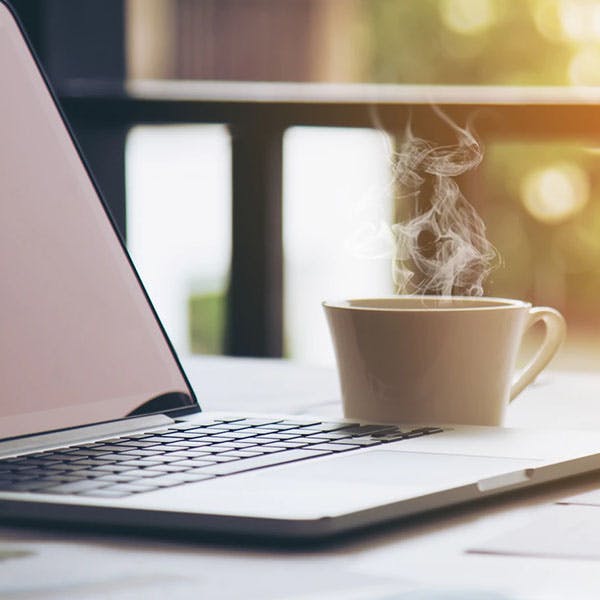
[
  {"x": 568, "y": 20},
  {"x": 468, "y": 16},
  {"x": 547, "y": 19},
  {"x": 580, "y": 20},
  {"x": 555, "y": 193},
  {"x": 584, "y": 67}
]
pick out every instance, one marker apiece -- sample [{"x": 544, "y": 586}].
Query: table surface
[{"x": 426, "y": 557}]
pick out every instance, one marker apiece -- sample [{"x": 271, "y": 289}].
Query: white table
[{"x": 424, "y": 558}]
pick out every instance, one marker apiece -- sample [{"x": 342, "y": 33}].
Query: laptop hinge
[{"x": 89, "y": 433}]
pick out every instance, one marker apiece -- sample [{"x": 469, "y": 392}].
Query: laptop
[{"x": 99, "y": 424}]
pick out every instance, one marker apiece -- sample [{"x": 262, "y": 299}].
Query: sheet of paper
[
  {"x": 562, "y": 531},
  {"x": 587, "y": 499},
  {"x": 127, "y": 570}
]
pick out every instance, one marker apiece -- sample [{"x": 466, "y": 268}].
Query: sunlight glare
[
  {"x": 468, "y": 16},
  {"x": 580, "y": 20},
  {"x": 584, "y": 67},
  {"x": 555, "y": 193}
]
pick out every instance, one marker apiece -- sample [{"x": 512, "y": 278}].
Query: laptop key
[
  {"x": 187, "y": 444},
  {"x": 225, "y": 427},
  {"x": 256, "y": 422},
  {"x": 136, "y": 444},
  {"x": 343, "y": 434},
  {"x": 280, "y": 436},
  {"x": 414, "y": 434},
  {"x": 363, "y": 442},
  {"x": 258, "y": 462},
  {"x": 360, "y": 430},
  {"x": 102, "y": 448},
  {"x": 190, "y": 454},
  {"x": 58, "y": 478},
  {"x": 161, "y": 439},
  {"x": 236, "y": 435},
  {"x": 268, "y": 448},
  {"x": 287, "y": 444},
  {"x": 143, "y": 473},
  {"x": 330, "y": 426},
  {"x": 164, "y": 459},
  {"x": 428, "y": 430},
  {"x": 76, "y": 466},
  {"x": 322, "y": 438},
  {"x": 118, "y": 478},
  {"x": 76, "y": 487},
  {"x": 186, "y": 435},
  {"x": 24, "y": 476},
  {"x": 280, "y": 427},
  {"x": 131, "y": 488},
  {"x": 112, "y": 468},
  {"x": 393, "y": 437},
  {"x": 146, "y": 452},
  {"x": 250, "y": 443},
  {"x": 141, "y": 463},
  {"x": 179, "y": 478},
  {"x": 105, "y": 493},
  {"x": 87, "y": 474},
  {"x": 190, "y": 464},
  {"x": 26, "y": 468},
  {"x": 171, "y": 468},
  {"x": 110, "y": 457},
  {"x": 221, "y": 458},
  {"x": 216, "y": 448},
  {"x": 241, "y": 454},
  {"x": 26, "y": 486},
  {"x": 333, "y": 447}
]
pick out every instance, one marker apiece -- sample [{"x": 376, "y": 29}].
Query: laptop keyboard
[{"x": 186, "y": 453}]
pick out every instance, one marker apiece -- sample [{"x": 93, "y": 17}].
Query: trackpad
[
  {"x": 339, "y": 485},
  {"x": 406, "y": 469}
]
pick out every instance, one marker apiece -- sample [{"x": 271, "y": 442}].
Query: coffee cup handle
[{"x": 556, "y": 330}]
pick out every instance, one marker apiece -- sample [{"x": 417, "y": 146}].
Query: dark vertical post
[{"x": 255, "y": 302}]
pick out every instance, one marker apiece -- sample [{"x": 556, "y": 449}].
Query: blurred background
[{"x": 172, "y": 184}]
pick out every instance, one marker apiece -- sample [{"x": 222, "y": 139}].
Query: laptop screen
[{"x": 79, "y": 342}]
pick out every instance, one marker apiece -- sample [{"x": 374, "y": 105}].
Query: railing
[{"x": 258, "y": 115}]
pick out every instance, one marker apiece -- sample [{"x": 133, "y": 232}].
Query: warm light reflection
[
  {"x": 555, "y": 193},
  {"x": 546, "y": 15},
  {"x": 584, "y": 68},
  {"x": 568, "y": 20},
  {"x": 468, "y": 16},
  {"x": 580, "y": 20}
]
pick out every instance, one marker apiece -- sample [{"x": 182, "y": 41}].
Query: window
[{"x": 179, "y": 224}]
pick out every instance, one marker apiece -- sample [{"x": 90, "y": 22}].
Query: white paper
[
  {"x": 122, "y": 570},
  {"x": 563, "y": 531},
  {"x": 587, "y": 499}
]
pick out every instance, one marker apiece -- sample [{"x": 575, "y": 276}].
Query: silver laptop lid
[{"x": 79, "y": 341}]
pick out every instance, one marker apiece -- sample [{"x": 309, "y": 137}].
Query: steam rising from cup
[{"x": 441, "y": 248}]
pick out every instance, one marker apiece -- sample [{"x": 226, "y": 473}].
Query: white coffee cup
[{"x": 436, "y": 359}]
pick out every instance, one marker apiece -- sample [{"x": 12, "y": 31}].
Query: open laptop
[{"x": 98, "y": 423}]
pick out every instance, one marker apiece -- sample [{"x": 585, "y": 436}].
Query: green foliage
[
  {"x": 410, "y": 43},
  {"x": 207, "y": 322}
]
